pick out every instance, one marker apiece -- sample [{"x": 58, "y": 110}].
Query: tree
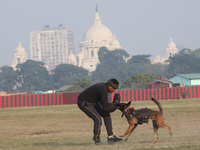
[
  {"x": 65, "y": 74},
  {"x": 33, "y": 76},
  {"x": 118, "y": 64},
  {"x": 8, "y": 79},
  {"x": 184, "y": 62},
  {"x": 84, "y": 83},
  {"x": 197, "y": 52},
  {"x": 112, "y": 65},
  {"x": 140, "y": 64},
  {"x": 138, "y": 81},
  {"x": 140, "y": 59},
  {"x": 157, "y": 69},
  {"x": 113, "y": 57}
]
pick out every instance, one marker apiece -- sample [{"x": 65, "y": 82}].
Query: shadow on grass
[
  {"x": 62, "y": 144},
  {"x": 73, "y": 144}
]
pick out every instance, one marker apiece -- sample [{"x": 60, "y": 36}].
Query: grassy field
[{"x": 67, "y": 128}]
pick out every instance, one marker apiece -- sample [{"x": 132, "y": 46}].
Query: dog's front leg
[
  {"x": 128, "y": 130},
  {"x": 133, "y": 128}
]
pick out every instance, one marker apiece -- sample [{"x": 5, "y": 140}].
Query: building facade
[
  {"x": 52, "y": 45},
  {"x": 20, "y": 56},
  {"x": 171, "y": 50},
  {"x": 192, "y": 79},
  {"x": 96, "y": 36}
]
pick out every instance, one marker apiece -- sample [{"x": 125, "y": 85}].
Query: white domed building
[
  {"x": 96, "y": 36},
  {"x": 170, "y": 51},
  {"x": 20, "y": 56}
]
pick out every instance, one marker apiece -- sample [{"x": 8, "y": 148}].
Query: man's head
[{"x": 113, "y": 84}]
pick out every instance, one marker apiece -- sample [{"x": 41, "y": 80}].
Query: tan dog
[{"x": 135, "y": 117}]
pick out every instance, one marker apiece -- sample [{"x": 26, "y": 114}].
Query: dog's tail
[{"x": 158, "y": 104}]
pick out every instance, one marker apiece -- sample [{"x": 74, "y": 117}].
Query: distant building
[
  {"x": 52, "y": 45},
  {"x": 170, "y": 51},
  {"x": 20, "y": 56},
  {"x": 95, "y": 36},
  {"x": 186, "y": 79}
]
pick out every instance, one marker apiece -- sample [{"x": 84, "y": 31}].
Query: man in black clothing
[{"x": 94, "y": 103}]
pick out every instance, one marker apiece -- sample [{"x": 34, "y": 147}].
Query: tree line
[{"x": 34, "y": 76}]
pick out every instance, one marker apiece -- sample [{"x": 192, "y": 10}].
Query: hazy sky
[{"x": 141, "y": 26}]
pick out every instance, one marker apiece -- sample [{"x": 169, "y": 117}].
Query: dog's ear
[{"x": 129, "y": 103}]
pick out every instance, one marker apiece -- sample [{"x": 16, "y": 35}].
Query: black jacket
[{"x": 97, "y": 93}]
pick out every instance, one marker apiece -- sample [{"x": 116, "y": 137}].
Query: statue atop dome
[{"x": 96, "y": 8}]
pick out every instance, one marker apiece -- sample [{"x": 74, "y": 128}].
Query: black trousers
[{"x": 95, "y": 112}]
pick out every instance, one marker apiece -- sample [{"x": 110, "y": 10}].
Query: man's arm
[{"x": 113, "y": 106}]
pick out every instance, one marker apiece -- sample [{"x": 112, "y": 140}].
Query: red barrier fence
[
  {"x": 31, "y": 100},
  {"x": 126, "y": 95},
  {"x": 158, "y": 93}
]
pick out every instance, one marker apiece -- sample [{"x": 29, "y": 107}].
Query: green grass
[{"x": 66, "y": 127}]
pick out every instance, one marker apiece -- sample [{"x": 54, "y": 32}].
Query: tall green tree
[
  {"x": 33, "y": 76},
  {"x": 186, "y": 61},
  {"x": 8, "y": 79},
  {"x": 197, "y": 52},
  {"x": 112, "y": 65},
  {"x": 84, "y": 83},
  {"x": 139, "y": 64},
  {"x": 157, "y": 69},
  {"x": 138, "y": 81},
  {"x": 140, "y": 59},
  {"x": 65, "y": 74}
]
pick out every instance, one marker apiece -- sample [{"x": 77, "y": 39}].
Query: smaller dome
[
  {"x": 171, "y": 44},
  {"x": 20, "y": 48},
  {"x": 115, "y": 42},
  {"x": 115, "y": 45}
]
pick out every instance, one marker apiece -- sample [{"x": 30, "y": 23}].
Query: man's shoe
[
  {"x": 98, "y": 142},
  {"x": 113, "y": 139}
]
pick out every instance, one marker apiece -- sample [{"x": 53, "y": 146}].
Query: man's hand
[
  {"x": 115, "y": 104},
  {"x": 116, "y": 99}
]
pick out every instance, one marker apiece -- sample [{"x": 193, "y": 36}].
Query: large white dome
[{"x": 97, "y": 31}]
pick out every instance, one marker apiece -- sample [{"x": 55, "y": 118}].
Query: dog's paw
[{"x": 156, "y": 140}]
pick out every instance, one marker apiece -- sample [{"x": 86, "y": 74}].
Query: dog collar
[{"x": 126, "y": 109}]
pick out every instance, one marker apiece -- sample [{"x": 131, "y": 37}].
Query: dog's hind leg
[
  {"x": 166, "y": 127},
  {"x": 160, "y": 123},
  {"x": 155, "y": 129}
]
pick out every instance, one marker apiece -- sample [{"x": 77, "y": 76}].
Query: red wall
[{"x": 126, "y": 95}]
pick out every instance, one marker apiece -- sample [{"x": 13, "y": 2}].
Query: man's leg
[
  {"x": 106, "y": 117},
  {"x": 91, "y": 112},
  {"x": 108, "y": 123}
]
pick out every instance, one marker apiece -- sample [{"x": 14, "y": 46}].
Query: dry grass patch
[{"x": 66, "y": 127}]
